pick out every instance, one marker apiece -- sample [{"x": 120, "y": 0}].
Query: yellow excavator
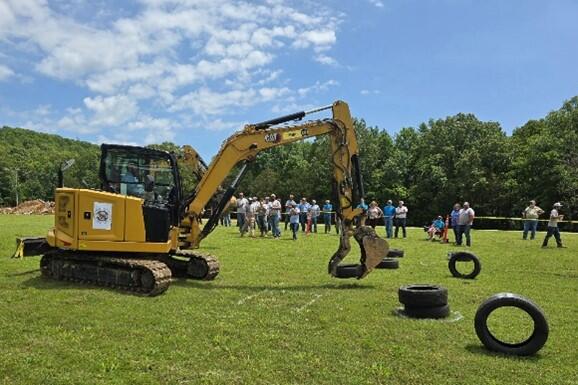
[{"x": 140, "y": 230}]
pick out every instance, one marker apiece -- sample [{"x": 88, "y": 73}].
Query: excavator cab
[{"x": 152, "y": 175}]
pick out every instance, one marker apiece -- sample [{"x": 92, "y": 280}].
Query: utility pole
[{"x": 15, "y": 182}]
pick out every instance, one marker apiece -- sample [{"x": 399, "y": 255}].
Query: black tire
[
  {"x": 534, "y": 343},
  {"x": 349, "y": 271},
  {"x": 423, "y": 295},
  {"x": 434, "y": 312},
  {"x": 395, "y": 253},
  {"x": 464, "y": 256},
  {"x": 388, "y": 263}
]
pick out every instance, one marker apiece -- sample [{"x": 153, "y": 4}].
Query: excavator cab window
[{"x": 145, "y": 173}]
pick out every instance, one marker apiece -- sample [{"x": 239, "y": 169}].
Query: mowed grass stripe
[{"x": 274, "y": 316}]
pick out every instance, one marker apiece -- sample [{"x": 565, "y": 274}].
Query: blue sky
[{"x": 194, "y": 71}]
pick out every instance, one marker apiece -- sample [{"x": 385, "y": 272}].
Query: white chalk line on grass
[
  {"x": 251, "y": 296},
  {"x": 306, "y": 305}
]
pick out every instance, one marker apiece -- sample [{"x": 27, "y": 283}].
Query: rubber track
[
  {"x": 160, "y": 271},
  {"x": 211, "y": 261}
]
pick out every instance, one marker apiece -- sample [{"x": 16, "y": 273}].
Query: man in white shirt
[
  {"x": 275, "y": 215},
  {"x": 400, "y": 218},
  {"x": 465, "y": 222},
  {"x": 242, "y": 203},
  {"x": 553, "y": 229},
  {"x": 531, "y": 214}
]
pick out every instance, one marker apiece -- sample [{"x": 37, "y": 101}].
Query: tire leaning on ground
[
  {"x": 528, "y": 347},
  {"x": 427, "y": 312},
  {"x": 388, "y": 263},
  {"x": 395, "y": 253},
  {"x": 464, "y": 256},
  {"x": 423, "y": 295}
]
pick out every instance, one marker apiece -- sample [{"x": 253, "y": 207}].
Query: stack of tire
[
  {"x": 424, "y": 301},
  {"x": 391, "y": 262}
]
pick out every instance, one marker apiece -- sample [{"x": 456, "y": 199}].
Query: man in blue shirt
[
  {"x": 388, "y": 214},
  {"x": 454, "y": 215},
  {"x": 327, "y": 209},
  {"x": 303, "y": 209}
]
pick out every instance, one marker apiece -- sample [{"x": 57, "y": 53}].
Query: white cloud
[
  {"x": 325, "y": 59},
  {"x": 369, "y": 92},
  {"x": 203, "y": 57},
  {"x": 111, "y": 111},
  {"x": 5, "y": 72},
  {"x": 377, "y": 3}
]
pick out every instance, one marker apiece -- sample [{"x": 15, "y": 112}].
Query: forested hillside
[
  {"x": 35, "y": 158},
  {"x": 430, "y": 167}
]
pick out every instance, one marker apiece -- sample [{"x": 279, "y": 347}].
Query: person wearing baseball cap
[
  {"x": 555, "y": 217},
  {"x": 531, "y": 215}
]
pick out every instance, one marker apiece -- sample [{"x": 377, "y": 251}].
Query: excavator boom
[{"x": 254, "y": 138}]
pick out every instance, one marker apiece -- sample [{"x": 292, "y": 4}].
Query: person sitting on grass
[{"x": 436, "y": 228}]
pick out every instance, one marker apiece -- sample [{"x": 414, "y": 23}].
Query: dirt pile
[{"x": 34, "y": 207}]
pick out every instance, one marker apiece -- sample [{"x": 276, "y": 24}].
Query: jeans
[
  {"x": 313, "y": 224},
  {"x": 400, "y": 222},
  {"x": 241, "y": 221},
  {"x": 556, "y": 233},
  {"x": 456, "y": 233},
  {"x": 530, "y": 225},
  {"x": 286, "y": 220},
  {"x": 262, "y": 223},
  {"x": 226, "y": 218},
  {"x": 303, "y": 221},
  {"x": 464, "y": 229},
  {"x": 275, "y": 225},
  {"x": 388, "y": 226},
  {"x": 327, "y": 222},
  {"x": 295, "y": 229}
]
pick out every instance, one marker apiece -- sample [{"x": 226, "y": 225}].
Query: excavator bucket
[
  {"x": 373, "y": 250},
  {"x": 30, "y": 246}
]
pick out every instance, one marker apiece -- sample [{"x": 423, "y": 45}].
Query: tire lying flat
[
  {"x": 388, "y": 263},
  {"x": 528, "y": 347},
  {"x": 395, "y": 253},
  {"x": 434, "y": 312},
  {"x": 423, "y": 295},
  {"x": 352, "y": 270},
  {"x": 464, "y": 256}
]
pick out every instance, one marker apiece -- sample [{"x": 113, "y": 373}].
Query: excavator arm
[{"x": 254, "y": 138}]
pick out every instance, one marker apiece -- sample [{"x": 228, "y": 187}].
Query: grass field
[{"x": 274, "y": 316}]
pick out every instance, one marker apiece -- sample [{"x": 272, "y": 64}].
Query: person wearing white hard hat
[{"x": 553, "y": 229}]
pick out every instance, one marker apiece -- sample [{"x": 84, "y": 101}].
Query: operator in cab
[{"x": 134, "y": 186}]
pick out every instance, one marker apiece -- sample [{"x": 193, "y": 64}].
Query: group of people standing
[
  {"x": 462, "y": 219},
  {"x": 392, "y": 216},
  {"x": 266, "y": 213}
]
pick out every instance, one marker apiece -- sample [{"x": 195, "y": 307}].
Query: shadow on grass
[
  {"x": 42, "y": 283},
  {"x": 22, "y": 273},
  {"x": 481, "y": 350},
  {"x": 211, "y": 286}
]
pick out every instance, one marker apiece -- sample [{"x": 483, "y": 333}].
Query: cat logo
[{"x": 273, "y": 137}]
